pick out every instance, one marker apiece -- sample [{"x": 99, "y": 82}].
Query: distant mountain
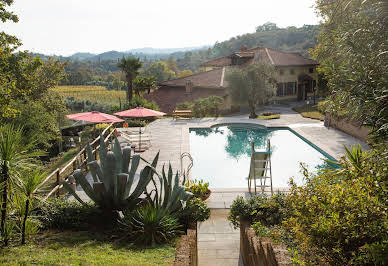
[
  {"x": 82, "y": 56},
  {"x": 150, "y": 50}
]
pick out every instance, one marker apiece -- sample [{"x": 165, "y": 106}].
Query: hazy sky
[{"x": 64, "y": 27}]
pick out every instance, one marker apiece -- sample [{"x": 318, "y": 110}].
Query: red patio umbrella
[
  {"x": 140, "y": 112},
  {"x": 95, "y": 117}
]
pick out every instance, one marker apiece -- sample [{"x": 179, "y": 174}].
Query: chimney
[
  {"x": 189, "y": 86},
  {"x": 243, "y": 48}
]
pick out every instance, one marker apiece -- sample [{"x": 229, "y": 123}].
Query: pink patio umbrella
[
  {"x": 140, "y": 112},
  {"x": 95, "y": 117}
]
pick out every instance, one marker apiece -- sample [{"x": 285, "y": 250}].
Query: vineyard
[{"x": 92, "y": 93}]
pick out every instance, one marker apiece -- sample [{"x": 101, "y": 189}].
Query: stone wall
[
  {"x": 258, "y": 251},
  {"x": 351, "y": 128},
  {"x": 186, "y": 249}
]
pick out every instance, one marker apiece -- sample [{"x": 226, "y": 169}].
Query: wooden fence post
[{"x": 58, "y": 183}]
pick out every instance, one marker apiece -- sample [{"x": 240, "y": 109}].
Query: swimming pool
[{"x": 222, "y": 154}]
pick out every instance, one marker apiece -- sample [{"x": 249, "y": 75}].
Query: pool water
[{"x": 222, "y": 154}]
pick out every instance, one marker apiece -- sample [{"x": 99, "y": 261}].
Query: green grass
[
  {"x": 267, "y": 117},
  {"x": 309, "y": 111},
  {"x": 60, "y": 162},
  {"x": 83, "y": 248}
]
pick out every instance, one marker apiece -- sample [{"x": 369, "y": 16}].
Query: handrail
[{"x": 73, "y": 162}]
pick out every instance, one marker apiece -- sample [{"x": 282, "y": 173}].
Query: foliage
[
  {"x": 209, "y": 106},
  {"x": 130, "y": 66},
  {"x": 340, "y": 215},
  {"x": 139, "y": 101},
  {"x": 170, "y": 195},
  {"x": 354, "y": 60},
  {"x": 196, "y": 210},
  {"x": 309, "y": 111},
  {"x": 112, "y": 184},
  {"x": 268, "y": 210},
  {"x": 15, "y": 158},
  {"x": 60, "y": 213},
  {"x": 144, "y": 84},
  {"x": 185, "y": 73},
  {"x": 149, "y": 225},
  {"x": 160, "y": 71},
  {"x": 197, "y": 187},
  {"x": 253, "y": 85},
  {"x": 59, "y": 247}
]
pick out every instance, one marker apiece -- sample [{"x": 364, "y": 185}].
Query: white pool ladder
[
  {"x": 188, "y": 169},
  {"x": 260, "y": 169}
]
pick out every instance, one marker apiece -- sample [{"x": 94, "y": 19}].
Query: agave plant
[
  {"x": 113, "y": 177},
  {"x": 170, "y": 195}
]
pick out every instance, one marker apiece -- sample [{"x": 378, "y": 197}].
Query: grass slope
[{"x": 83, "y": 248}]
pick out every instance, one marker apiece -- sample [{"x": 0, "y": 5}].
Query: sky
[{"x": 64, "y": 27}]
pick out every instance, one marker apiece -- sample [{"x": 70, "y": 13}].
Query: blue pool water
[{"x": 222, "y": 154}]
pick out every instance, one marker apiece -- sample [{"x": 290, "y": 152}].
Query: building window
[
  {"x": 311, "y": 70},
  {"x": 292, "y": 71},
  {"x": 281, "y": 72},
  {"x": 279, "y": 91}
]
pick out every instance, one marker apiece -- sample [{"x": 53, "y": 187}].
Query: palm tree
[
  {"x": 14, "y": 159},
  {"x": 130, "y": 66},
  {"x": 29, "y": 186}
]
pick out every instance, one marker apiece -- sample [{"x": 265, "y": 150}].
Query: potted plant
[{"x": 199, "y": 188}]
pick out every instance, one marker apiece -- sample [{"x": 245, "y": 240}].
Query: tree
[
  {"x": 29, "y": 184},
  {"x": 15, "y": 157},
  {"x": 144, "y": 83},
  {"x": 253, "y": 85},
  {"x": 160, "y": 71},
  {"x": 171, "y": 65},
  {"x": 269, "y": 26},
  {"x": 353, "y": 52},
  {"x": 130, "y": 66}
]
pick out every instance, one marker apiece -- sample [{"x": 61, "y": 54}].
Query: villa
[{"x": 296, "y": 77}]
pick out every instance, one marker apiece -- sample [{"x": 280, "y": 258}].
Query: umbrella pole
[{"x": 139, "y": 139}]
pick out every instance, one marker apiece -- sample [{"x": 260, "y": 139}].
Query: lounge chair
[{"x": 260, "y": 170}]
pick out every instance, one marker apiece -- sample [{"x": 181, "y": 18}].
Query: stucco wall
[{"x": 351, "y": 128}]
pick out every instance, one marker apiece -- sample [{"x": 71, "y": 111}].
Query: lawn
[
  {"x": 267, "y": 117},
  {"x": 92, "y": 93},
  {"x": 83, "y": 248},
  {"x": 309, "y": 111}
]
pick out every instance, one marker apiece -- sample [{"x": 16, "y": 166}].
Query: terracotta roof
[
  {"x": 208, "y": 79},
  {"x": 218, "y": 62},
  {"x": 272, "y": 56}
]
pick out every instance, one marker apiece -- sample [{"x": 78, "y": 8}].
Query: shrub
[
  {"x": 209, "y": 106},
  {"x": 149, "y": 225},
  {"x": 184, "y": 106},
  {"x": 195, "y": 210},
  {"x": 269, "y": 210},
  {"x": 340, "y": 216},
  {"x": 198, "y": 188},
  {"x": 63, "y": 214},
  {"x": 139, "y": 101}
]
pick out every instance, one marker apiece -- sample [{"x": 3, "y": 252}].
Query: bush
[
  {"x": 198, "y": 188},
  {"x": 209, "y": 106},
  {"x": 149, "y": 225},
  {"x": 195, "y": 210},
  {"x": 340, "y": 216},
  {"x": 139, "y": 101},
  {"x": 268, "y": 210},
  {"x": 63, "y": 214}
]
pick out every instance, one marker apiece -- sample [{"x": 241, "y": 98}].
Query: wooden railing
[{"x": 79, "y": 161}]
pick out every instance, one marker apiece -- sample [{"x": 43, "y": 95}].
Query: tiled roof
[
  {"x": 218, "y": 62},
  {"x": 208, "y": 79},
  {"x": 272, "y": 56}
]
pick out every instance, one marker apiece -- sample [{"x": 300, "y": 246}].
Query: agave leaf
[
  {"x": 126, "y": 159},
  {"x": 94, "y": 167},
  {"x": 85, "y": 185},
  {"x": 90, "y": 153},
  {"x": 119, "y": 155},
  {"x": 131, "y": 174},
  {"x": 109, "y": 171},
  {"x": 72, "y": 192},
  {"x": 103, "y": 151},
  {"x": 145, "y": 178}
]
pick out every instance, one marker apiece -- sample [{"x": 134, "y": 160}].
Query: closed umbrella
[{"x": 139, "y": 112}]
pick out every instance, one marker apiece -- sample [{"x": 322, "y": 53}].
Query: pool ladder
[
  {"x": 260, "y": 170},
  {"x": 188, "y": 169}
]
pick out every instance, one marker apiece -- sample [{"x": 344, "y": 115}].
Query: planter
[{"x": 207, "y": 195}]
